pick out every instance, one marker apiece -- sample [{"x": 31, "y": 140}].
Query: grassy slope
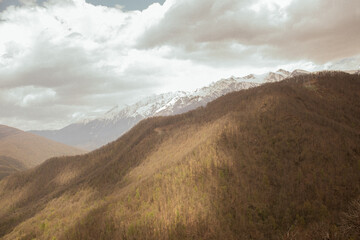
[
  {"x": 281, "y": 161},
  {"x": 20, "y": 150},
  {"x": 9, "y": 166}
]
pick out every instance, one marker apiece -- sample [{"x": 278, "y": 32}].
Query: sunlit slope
[
  {"x": 20, "y": 150},
  {"x": 281, "y": 161}
]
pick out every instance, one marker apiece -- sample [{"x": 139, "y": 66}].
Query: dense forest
[{"x": 279, "y": 161}]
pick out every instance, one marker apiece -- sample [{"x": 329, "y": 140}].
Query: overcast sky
[{"x": 63, "y": 60}]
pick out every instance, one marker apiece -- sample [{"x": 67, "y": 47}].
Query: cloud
[
  {"x": 244, "y": 31},
  {"x": 62, "y": 60},
  {"x": 127, "y": 5}
]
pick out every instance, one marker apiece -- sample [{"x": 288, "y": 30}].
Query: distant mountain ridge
[
  {"x": 91, "y": 134},
  {"x": 20, "y": 150}
]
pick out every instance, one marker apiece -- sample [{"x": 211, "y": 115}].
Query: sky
[{"x": 61, "y": 61}]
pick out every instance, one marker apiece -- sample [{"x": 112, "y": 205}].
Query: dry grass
[{"x": 21, "y": 150}]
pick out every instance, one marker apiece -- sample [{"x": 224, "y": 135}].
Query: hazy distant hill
[
  {"x": 20, "y": 150},
  {"x": 279, "y": 161},
  {"x": 91, "y": 134}
]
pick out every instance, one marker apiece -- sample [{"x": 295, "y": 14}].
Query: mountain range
[
  {"x": 277, "y": 161},
  {"x": 91, "y": 134}
]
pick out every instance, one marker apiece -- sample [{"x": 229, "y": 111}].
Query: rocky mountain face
[{"x": 91, "y": 134}]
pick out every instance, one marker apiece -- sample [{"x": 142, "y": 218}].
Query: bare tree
[{"x": 351, "y": 219}]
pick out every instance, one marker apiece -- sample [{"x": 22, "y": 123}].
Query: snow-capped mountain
[
  {"x": 177, "y": 102},
  {"x": 277, "y": 76},
  {"x": 90, "y": 134},
  {"x": 351, "y": 65}
]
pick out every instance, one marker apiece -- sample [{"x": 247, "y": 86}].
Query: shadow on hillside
[{"x": 100, "y": 170}]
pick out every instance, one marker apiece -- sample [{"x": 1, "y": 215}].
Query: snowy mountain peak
[
  {"x": 298, "y": 72},
  {"x": 283, "y": 72},
  {"x": 267, "y": 77},
  {"x": 250, "y": 76},
  {"x": 146, "y": 107},
  {"x": 275, "y": 77},
  {"x": 177, "y": 102}
]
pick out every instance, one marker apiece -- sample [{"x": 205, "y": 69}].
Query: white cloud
[
  {"x": 27, "y": 96},
  {"x": 270, "y": 4}
]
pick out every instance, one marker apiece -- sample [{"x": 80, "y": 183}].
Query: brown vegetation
[
  {"x": 281, "y": 161},
  {"x": 9, "y": 166},
  {"x": 20, "y": 150}
]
